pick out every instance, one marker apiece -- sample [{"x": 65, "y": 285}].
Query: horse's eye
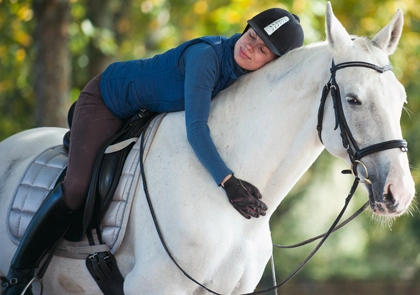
[{"x": 353, "y": 100}]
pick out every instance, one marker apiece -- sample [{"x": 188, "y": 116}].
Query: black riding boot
[{"x": 45, "y": 229}]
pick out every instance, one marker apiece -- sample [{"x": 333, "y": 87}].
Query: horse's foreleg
[{"x": 67, "y": 276}]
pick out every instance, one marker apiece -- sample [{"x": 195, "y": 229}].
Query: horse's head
[{"x": 372, "y": 100}]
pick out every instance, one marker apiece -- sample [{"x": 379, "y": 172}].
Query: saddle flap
[
  {"x": 48, "y": 168},
  {"x": 38, "y": 181}
]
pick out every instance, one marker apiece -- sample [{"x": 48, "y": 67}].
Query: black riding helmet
[{"x": 279, "y": 29}]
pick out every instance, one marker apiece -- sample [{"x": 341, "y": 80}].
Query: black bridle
[{"x": 349, "y": 143}]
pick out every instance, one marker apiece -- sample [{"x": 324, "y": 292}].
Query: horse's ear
[
  {"x": 337, "y": 36},
  {"x": 389, "y": 36}
]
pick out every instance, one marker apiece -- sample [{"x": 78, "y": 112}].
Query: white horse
[{"x": 265, "y": 128}]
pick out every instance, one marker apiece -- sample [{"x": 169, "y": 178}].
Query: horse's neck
[{"x": 268, "y": 121}]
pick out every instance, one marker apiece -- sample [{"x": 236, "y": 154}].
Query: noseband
[{"x": 349, "y": 143}]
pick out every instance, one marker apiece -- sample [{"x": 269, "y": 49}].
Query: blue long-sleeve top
[{"x": 184, "y": 78}]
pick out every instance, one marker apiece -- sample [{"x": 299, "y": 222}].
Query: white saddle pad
[{"x": 41, "y": 177}]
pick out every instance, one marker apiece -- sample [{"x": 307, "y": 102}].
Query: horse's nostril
[
  {"x": 390, "y": 201},
  {"x": 389, "y": 198}
]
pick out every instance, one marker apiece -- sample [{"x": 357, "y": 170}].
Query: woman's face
[{"x": 251, "y": 53}]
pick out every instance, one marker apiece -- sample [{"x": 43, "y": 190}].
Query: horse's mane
[
  {"x": 377, "y": 54},
  {"x": 281, "y": 67},
  {"x": 317, "y": 53},
  {"x": 298, "y": 56}
]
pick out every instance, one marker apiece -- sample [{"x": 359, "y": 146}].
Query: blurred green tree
[{"x": 102, "y": 31}]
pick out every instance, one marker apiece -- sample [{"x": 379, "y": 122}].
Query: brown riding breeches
[{"x": 93, "y": 124}]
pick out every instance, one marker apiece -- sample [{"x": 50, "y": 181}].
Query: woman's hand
[{"x": 244, "y": 197}]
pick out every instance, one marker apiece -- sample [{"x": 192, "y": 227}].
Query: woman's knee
[{"x": 75, "y": 194}]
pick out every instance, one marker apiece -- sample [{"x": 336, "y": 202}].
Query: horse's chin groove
[
  {"x": 384, "y": 209},
  {"x": 388, "y": 220},
  {"x": 383, "y": 220}
]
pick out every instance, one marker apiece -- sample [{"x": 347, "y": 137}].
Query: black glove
[{"x": 244, "y": 197}]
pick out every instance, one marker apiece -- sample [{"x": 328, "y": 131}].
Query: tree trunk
[
  {"x": 104, "y": 15},
  {"x": 99, "y": 12},
  {"x": 52, "y": 62}
]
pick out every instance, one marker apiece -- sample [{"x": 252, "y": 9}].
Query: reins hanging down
[
  {"x": 341, "y": 225},
  {"x": 349, "y": 143},
  {"x": 155, "y": 221}
]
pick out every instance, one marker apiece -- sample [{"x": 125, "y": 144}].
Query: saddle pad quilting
[
  {"x": 37, "y": 182},
  {"x": 116, "y": 217},
  {"x": 118, "y": 210},
  {"x": 41, "y": 176}
]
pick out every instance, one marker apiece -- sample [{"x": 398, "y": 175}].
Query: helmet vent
[{"x": 274, "y": 26}]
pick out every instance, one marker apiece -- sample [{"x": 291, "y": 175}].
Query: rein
[
  {"x": 349, "y": 143},
  {"x": 308, "y": 241}
]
